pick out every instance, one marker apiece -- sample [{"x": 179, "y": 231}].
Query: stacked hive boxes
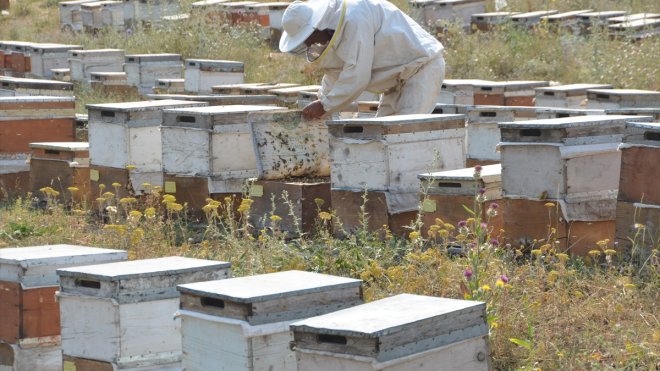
[
  {"x": 70, "y": 14},
  {"x": 382, "y": 157},
  {"x": 427, "y": 13},
  {"x": 16, "y": 86},
  {"x": 622, "y": 98},
  {"x": 568, "y": 21},
  {"x": 143, "y": 70},
  {"x": 507, "y": 93},
  {"x": 123, "y": 134},
  {"x": 119, "y": 315},
  {"x": 570, "y": 163},
  {"x": 97, "y": 15},
  {"x": 45, "y": 57},
  {"x": 30, "y": 326},
  {"x": 202, "y": 74},
  {"x": 568, "y": 96},
  {"x": 60, "y": 166},
  {"x": 111, "y": 82},
  {"x": 248, "y": 318},
  {"x": 488, "y": 21},
  {"x": 83, "y": 62}
]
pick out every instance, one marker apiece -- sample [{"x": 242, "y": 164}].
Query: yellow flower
[
  {"x": 100, "y": 200},
  {"x": 146, "y": 185},
  {"x": 444, "y": 233},
  {"x": 549, "y": 205},
  {"x": 173, "y": 206},
  {"x": 629, "y": 286},
  {"x": 73, "y": 189},
  {"x": 319, "y": 202},
  {"x": 323, "y": 215},
  {"x": 135, "y": 214},
  {"x": 552, "y": 276},
  {"x": 610, "y": 252},
  {"x": 168, "y": 199},
  {"x": 108, "y": 194},
  {"x": 485, "y": 288},
  {"x": 275, "y": 218},
  {"x": 127, "y": 200},
  {"x": 150, "y": 212},
  {"x": 563, "y": 257},
  {"x": 413, "y": 236},
  {"x": 494, "y": 325},
  {"x": 101, "y": 186},
  {"x": 116, "y": 185},
  {"x": 131, "y": 167},
  {"x": 594, "y": 253},
  {"x": 137, "y": 235},
  {"x": 537, "y": 252},
  {"x": 499, "y": 283}
]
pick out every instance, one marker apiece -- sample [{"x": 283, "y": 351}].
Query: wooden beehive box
[
  {"x": 143, "y": 70},
  {"x": 249, "y": 317},
  {"x": 289, "y": 96},
  {"x": 506, "y": 93},
  {"x": 112, "y": 82},
  {"x": 235, "y": 12},
  {"x": 567, "y": 96},
  {"x": 70, "y": 15},
  {"x": 119, "y": 315},
  {"x": 597, "y": 19},
  {"x": 202, "y": 74},
  {"x": 653, "y": 112},
  {"x": 640, "y": 167},
  {"x": 46, "y": 57},
  {"x": 61, "y": 74},
  {"x": 557, "y": 112},
  {"x": 531, "y": 19},
  {"x": 458, "y": 91},
  {"x": 17, "y": 59},
  {"x": 214, "y": 143},
  {"x": 60, "y": 166},
  {"x": 169, "y": 86},
  {"x": 637, "y": 29},
  {"x": 403, "y": 332},
  {"x": 17, "y": 86},
  {"x": 122, "y": 134},
  {"x": 622, "y": 98},
  {"x": 233, "y": 89},
  {"x": 94, "y": 19},
  {"x": 14, "y": 175},
  {"x": 488, "y": 21},
  {"x": 221, "y": 100},
  {"x": 445, "y": 194},
  {"x": 287, "y": 146},
  {"x": 293, "y": 200},
  {"x": 639, "y": 222},
  {"x": 568, "y": 21},
  {"x": 83, "y": 62}
]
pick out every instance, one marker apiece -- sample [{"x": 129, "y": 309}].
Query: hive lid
[
  {"x": 216, "y": 100},
  {"x": 265, "y": 287},
  {"x": 511, "y": 85},
  {"x": 54, "y": 47},
  {"x": 35, "y": 82},
  {"x": 294, "y": 89},
  {"x": 463, "y": 82},
  {"x": 142, "y": 268},
  {"x": 623, "y": 92},
  {"x": 489, "y": 173},
  {"x": 397, "y": 120},
  {"x": 581, "y": 88},
  {"x": 534, "y": 14},
  {"x": 277, "y": 4},
  {"x": 605, "y": 14},
  {"x": 62, "y": 146},
  {"x": 493, "y": 15},
  {"x": 164, "y": 57},
  {"x": 566, "y": 15},
  {"x": 651, "y": 126},
  {"x": 646, "y": 111},
  {"x": 95, "y": 52},
  {"x": 571, "y": 122},
  {"x": 212, "y": 63},
  {"x": 151, "y": 105},
  {"x": 35, "y": 99},
  {"x": 221, "y": 110},
  {"x": 207, "y": 3}
]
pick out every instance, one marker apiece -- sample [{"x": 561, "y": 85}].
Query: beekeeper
[{"x": 365, "y": 45}]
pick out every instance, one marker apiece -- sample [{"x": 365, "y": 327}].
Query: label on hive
[
  {"x": 429, "y": 206},
  {"x": 256, "y": 190},
  {"x": 170, "y": 187},
  {"x": 94, "y": 175}
]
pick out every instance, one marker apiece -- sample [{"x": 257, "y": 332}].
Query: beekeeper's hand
[{"x": 313, "y": 111}]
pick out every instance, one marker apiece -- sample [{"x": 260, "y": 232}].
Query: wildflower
[
  {"x": 48, "y": 191},
  {"x": 208, "y": 208},
  {"x": 319, "y": 201},
  {"x": 491, "y": 212},
  {"x": 629, "y": 286},
  {"x": 324, "y": 215},
  {"x": 73, "y": 189},
  {"x": 108, "y": 194},
  {"x": 549, "y": 205},
  {"x": 494, "y": 325},
  {"x": 146, "y": 185},
  {"x": 168, "y": 199},
  {"x": 100, "y": 200},
  {"x": 173, "y": 206},
  {"x": 439, "y": 222},
  {"x": 477, "y": 172},
  {"x": 137, "y": 235},
  {"x": 610, "y": 252},
  {"x": 413, "y": 236},
  {"x": 275, "y": 218},
  {"x": 127, "y": 200},
  {"x": 594, "y": 253},
  {"x": 504, "y": 278},
  {"x": 101, "y": 187},
  {"x": 537, "y": 252},
  {"x": 562, "y": 257},
  {"x": 116, "y": 185},
  {"x": 552, "y": 276},
  {"x": 494, "y": 242},
  {"x": 131, "y": 167},
  {"x": 499, "y": 283},
  {"x": 468, "y": 274},
  {"x": 462, "y": 224},
  {"x": 482, "y": 191},
  {"x": 494, "y": 206},
  {"x": 485, "y": 288},
  {"x": 111, "y": 209},
  {"x": 135, "y": 214},
  {"x": 443, "y": 233}
]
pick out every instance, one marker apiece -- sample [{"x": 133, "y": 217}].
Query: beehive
[
  {"x": 143, "y": 70},
  {"x": 488, "y": 21},
  {"x": 287, "y": 146},
  {"x": 445, "y": 194},
  {"x": 622, "y": 98},
  {"x": 70, "y": 15},
  {"x": 637, "y": 29},
  {"x": 531, "y": 19},
  {"x": 459, "y": 11},
  {"x": 639, "y": 164},
  {"x": 221, "y": 100},
  {"x": 30, "y": 326},
  {"x": 568, "y": 96},
  {"x": 368, "y": 109},
  {"x": 83, "y": 62},
  {"x": 17, "y": 86},
  {"x": 14, "y": 175},
  {"x": 263, "y": 88},
  {"x": 119, "y": 315},
  {"x": 97, "y": 15},
  {"x": 112, "y": 82},
  {"x": 235, "y": 12},
  {"x": 61, "y": 74},
  {"x": 557, "y": 113},
  {"x": 506, "y": 93},
  {"x": 233, "y": 89},
  {"x": 597, "y": 19},
  {"x": 568, "y": 21},
  {"x": 458, "y": 91},
  {"x": 403, "y": 332},
  {"x": 17, "y": 60},
  {"x": 653, "y": 112},
  {"x": 202, "y": 74},
  {"x": 294, "y": 202},
  {"x": 60, "y": 166},
  {"x": 122, "y": 134},
  {"x": 211, "y": 143},
  {"x": 46, "y": 57},
  {"x": 249, "y": 317},
  {"x": 209, "y": 8},
  {"x": 148, "y": 11},
  {"x": 169, "y": 86},
  {"x": 260, "y": 14},
  {"x": 289, "y": 96}
]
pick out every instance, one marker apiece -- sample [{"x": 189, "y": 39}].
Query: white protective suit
[{"x": 380, "y": 49}]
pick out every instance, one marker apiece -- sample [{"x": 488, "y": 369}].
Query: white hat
[{"x": 299, "y": 21}]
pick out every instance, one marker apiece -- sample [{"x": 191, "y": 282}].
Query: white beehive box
[
  {"x": 574, "y": 160},
  {"x": 143, "y": 70},
  {"x": 486, "y": 21},
  {"x": 169, "y": 86},
  {"x": 16, "y": 87},
  {"x": 61, "y": 74},
  {"x": 46, "y": 57},
  {"x": 234, "y": 89},
  {"x": 263, "y": 88},
  {"x": 386, "y": 153},
  {"x": 557, "y": 112},
  {"x": 288, "y": 146},
  {"x": 249, "y": 317},
  {"x": 221, "y": 100},
  {"x": 70, "y": 15},
  {"x": 636, "y": 29},
  {"x": 403, "y": 333},
  {"x": 148, "y": 11},
  {"x": 83, "y": 62},
  {"x": 461, "y": 182},
  {"x": 108, "y": 79},
  {"x": 260, "y": 13},
  {"x": 121, "y": 313},
  {"x": 653, "y": 112},
  {"x": 531, "y": 19},
  {"x": 213, "y": 142},
  {"x": 202, "y": 74},
  {"x": 458, "y": 91},
  {"x": 567, "y": 96},
  {"x": 567, "y": 20},
  {"x": 289, "y": 96},
  {"x": 459, "y": 11},
  {"x": 97, "y": 15},
  {"x": 632, "y": 17},
  {"x": 30, "y": 328},
  {"x": 622, "y": 98},
  {"x": 597, "y": 19},
  {"x": 122, "y": 134}
]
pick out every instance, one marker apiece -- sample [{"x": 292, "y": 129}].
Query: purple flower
[
  {"x": 504, "y": 278},
  {"x": 494, "y": 242},
  {"x": 462, "y": 224},
  {"x": 494, "y": 205},
  {"x": 477, "y": 168},
  {"x": 484, "y": 225},
  {"x": 482, "y": 191},
  {"x": 472, "y": 245},
  {"x": 468, "y": 273}
]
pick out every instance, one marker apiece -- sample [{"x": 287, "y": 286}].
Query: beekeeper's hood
[{"x": 301, "y": 18}]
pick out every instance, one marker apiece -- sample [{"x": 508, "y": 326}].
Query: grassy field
[{"x": 546, "y": 310}]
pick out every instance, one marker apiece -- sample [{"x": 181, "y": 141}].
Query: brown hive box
[
  {"x": 506, "y": 93},
  {"x": 60, "y": 166}
]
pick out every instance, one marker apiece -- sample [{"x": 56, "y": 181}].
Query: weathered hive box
[
  {"x": 458, "y": 91},
  {"x": 249, "y": 317},
  {"x": 60, "y": 166},
  {"x": 369, "y": 108},
  {"x": 653, "y": 112},
  {"x": 597, "y": 19},
  {"x": 119, "y": 315},
  {"x": 17, "y": 61},
  {"x": 30, "y": 326},
  {"x": 46, "y": 57},
  {"x": 483, "y": 135},
  {"x": 622, "y": 98},
  {"x": 209, "y": 8},
  {"x": 569, "y": 21},
  {"x": 61, "y": 74},
  {"x": 294, "y": 201},
  {"x": 404, "y": 332},
  {"x": 289, "y": 96},
  {"x": 70, "y": 15},
  {"x": 148, "y": 11},
  {"x": 567, "y": 96},
  {"x": 557, "y": 113},
  {"x": 169, "y": 86},
  {"x": 531, "y": 19},
  {"x": 261, "y": 14},
  {"x": 17, "y": 86},
  {"x": 507, "y": 93},
  {"x": 235, "y": 12},
  {"x": 632, "y": 17},
  {"x": 635, "y": 29},
  {"x": 83, "y": 62},
  {"x": 211, "y": 143},
  {"x": 488, "y": 21},
  {"x": 202, "y": 74},
  {"x": 445, "y": 194},
  {"x": 221, "y": 100},
  {"x": 112, "y": 82},
  {"x": 233, "y": 89},
  {"x": 143, "y": 70},
  {"x": 458, "y": 11},
  {"x": 14, "y": 175},
  {"x": 122, "y": 134},
  {"x": 99, "y": 14},
  {"x": 264, "y": 88},
  {"x": 287, "y": 146}
]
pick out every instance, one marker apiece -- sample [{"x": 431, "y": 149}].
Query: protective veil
[{"x": 380, "y": 49}]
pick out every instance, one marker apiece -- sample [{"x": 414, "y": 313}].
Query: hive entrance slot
[
  {"x": 602, "y": 96},
  {"x": 89, "y": 283},
  {"x": 651, "y": 135},
  {"x": 562, "y": 115},
  {"x": 353, "y": 129},
  {"x": 530, "y": 132},
  {"x": 487, "y": 88},
  {"x": 186, "y": 119},
  {"x": 212, "y": 302},
  {"x": 52, "y": 152},
  {"x": 331, "y": 339},
  {"x": 449, "y": 184},
  {"x": 548, "y": 93},
  {"x": 107, "y": 114},
  {"x": 487, "y": 114}
]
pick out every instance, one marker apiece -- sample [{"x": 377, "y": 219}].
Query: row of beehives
[
  {"x": 80, "y": 308},
  {"x": 436, "y": 14}
]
